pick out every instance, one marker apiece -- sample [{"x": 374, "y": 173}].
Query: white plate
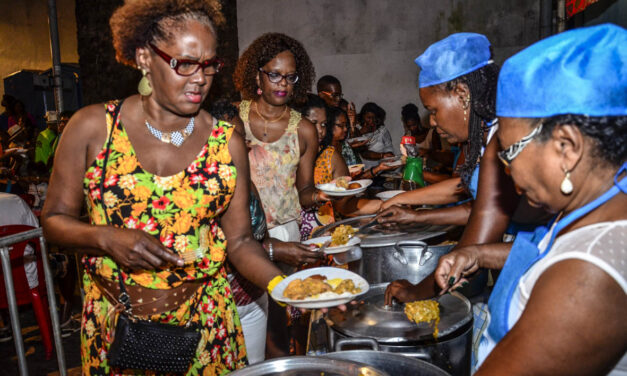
[
  {"x": 396, "y": 163},
  {"x": 388, "y": 194},
  {"x": 357, "y": 139},
  {"x": 332, "y": 250},
  {"x": 313, "y": 303},
  {"x": 332, "y": 190},
  {"x": 355, "y": 168}
]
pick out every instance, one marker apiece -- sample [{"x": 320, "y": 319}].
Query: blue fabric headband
[
  {"x": 452, "y": 57},
  {"x": 581, "y": 71}
]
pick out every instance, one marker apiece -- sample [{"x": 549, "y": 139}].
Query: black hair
[
  {"x": 482, "y": 86},
  {"x": 223, "y": 109},
  {"x": 332, "y": 114},
  {"x": 313, "y": 101},
  {"x": 325, "y": 81},
  {"x": 138, "y": 22},
  {"x": 261, "y": 51},
  {"x": 410, "y": 112},
  {"x": 378, "y": 112},
  {"x": 608, "y": 132}
]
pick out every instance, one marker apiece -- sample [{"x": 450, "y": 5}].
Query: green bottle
[{"x": 412, "y": 176}]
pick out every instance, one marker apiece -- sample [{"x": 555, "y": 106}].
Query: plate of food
[
  {"x": 386, "y": 195},
  {"x": 341, "y": 240},
  {"x": 343, "y": 186},
  {"x": 320, "y": 288},
  {"x": 353, "y": 169}
]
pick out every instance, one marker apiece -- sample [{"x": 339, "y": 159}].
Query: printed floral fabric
[
  {"x": 313, "y": 217},
  {"x": 273, "y": 169},
  {"x": 181, "y": 211}
]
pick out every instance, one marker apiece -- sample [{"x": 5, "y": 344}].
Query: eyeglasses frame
[
  {"x": 508, "y": 155},
  {"x": 333, "y": 95},
  {"x": 283, "y": 77},
  {"x": 175, "y": 63}
]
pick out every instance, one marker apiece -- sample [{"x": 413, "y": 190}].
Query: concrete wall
[
  {"x": 370, "y": 45},
  {"x": 25, "y": 37}
]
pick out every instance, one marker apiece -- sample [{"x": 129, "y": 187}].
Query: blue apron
[{"x": 525, "y": 254}]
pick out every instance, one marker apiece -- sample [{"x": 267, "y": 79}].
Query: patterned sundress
[
  {"x": 273, "y": 169},
  {"x": 314, "y": 217},
  {"x": 181, "y": 211}
]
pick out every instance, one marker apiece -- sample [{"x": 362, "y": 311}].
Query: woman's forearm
[
  {"x": 493, "y": 255},
  {"x": 84, "y": 237},
  {"x": 442, "y": 193},
  {"x": 456, "y": 215}
]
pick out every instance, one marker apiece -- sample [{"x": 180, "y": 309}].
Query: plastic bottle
[{"x": 412, "y": 175}]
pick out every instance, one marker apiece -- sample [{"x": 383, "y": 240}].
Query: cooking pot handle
[
  {"x": 399, "y": 254},
  {"x": 358, "y": 341}
]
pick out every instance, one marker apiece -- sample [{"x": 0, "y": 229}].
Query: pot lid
[
  {"x": 390, "y": 324},
  {"x": 378, "y": 236},
  {"x": 309, "y": 366}
]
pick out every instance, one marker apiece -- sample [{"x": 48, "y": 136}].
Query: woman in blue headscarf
[
  {"x": 559, "y": 304},
  {"x": 458, "y": 87}
]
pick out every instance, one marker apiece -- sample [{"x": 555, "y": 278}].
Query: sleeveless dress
[
  {"x": 273, "y": 169},
  {"x": 181, "y": 211},
  {"x": 312, "y": 218}
]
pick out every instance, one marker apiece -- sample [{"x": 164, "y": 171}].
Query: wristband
[{"x": 372, "y": 172}]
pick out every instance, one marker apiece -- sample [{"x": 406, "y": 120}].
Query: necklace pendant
[{"x": 166, "y": 137}]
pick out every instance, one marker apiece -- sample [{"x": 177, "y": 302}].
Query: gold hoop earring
[
  {"x": 567, "y": 186},
  {"x": 144, "y": 87}
]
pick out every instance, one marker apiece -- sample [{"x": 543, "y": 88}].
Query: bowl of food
[
  {"x": 386, "y": 195},
  {"x": 320, "y": 288},
  {"x": 343, "y": 186}
]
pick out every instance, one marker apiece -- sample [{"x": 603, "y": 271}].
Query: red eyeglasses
[{"x": 185, "y": 67}]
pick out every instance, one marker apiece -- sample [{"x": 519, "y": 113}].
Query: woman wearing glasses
[
  {"x": 166, "y": 187},
  {"x": 272, "y": 74},
  {"x": 560, "y": 296}
]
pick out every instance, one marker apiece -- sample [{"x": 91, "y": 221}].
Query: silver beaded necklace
[{"x": 175, "y": 138}]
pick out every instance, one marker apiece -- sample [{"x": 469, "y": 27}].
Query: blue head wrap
[
  {"x": 582, "y": 72},
  {"x": 452, "y": 57}
]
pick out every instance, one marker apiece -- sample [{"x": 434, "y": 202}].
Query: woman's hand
[
  {"x": 455, "y": 266},
  {"x": 394, "y": 201},
  {"x": 397, "y": 215},
  {"x": 383, "y": 166},
  {"x": 294, "y": 253},
  {"x": 402, "y": 290},
  {"x": 136, "y": 249}
]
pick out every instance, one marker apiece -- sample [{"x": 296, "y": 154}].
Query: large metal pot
[
  {"x": 410, "y": 260},
  {"x": 393, "y": 364},
  {"x": 385, "y": 255},
  {"x": 394, "y": 333},
  {"x": 309, "y": 366}
]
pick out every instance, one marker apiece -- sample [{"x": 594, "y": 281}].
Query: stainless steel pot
[
  {"x": 394, "y": 333},
  {"x": 410, "y": 260},
  {"x": 309, "y": 366},
  {"x": 385, "y": 256},
  {"x": 385, "y": 361}
]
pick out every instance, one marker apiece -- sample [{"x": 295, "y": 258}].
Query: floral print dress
[{"x": 181, "y": 211}]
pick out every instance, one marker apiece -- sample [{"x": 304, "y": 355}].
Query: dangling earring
[
  {"x": 259, "y": 91},
  {"x": 465, "y": 106},
  {"x": 567, "y": 186},
  {"x": 144, "y": 87}
]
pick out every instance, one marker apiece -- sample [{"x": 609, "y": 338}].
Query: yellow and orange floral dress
[{"x": 181, "y": 211}]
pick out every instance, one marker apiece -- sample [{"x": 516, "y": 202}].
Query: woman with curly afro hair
[
  {"x": 273, "y": 73},
  {"x": 166, "y": 187}
]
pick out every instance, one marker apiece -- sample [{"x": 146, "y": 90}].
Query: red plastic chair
[{"x": 23, "y": 293}]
